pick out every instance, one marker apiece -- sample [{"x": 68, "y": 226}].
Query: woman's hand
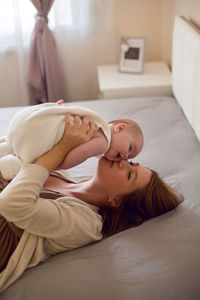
[{"x": 80, "y": 132}]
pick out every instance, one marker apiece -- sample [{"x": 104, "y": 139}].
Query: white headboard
[{"x": 186, "y": 70}]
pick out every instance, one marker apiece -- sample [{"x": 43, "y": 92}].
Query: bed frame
[{"x": 186, "y": 69}]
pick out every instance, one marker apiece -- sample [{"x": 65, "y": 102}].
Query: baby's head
[{"x": 126, "y": 140}]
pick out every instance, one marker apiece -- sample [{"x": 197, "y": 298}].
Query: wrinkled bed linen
[{"x": 157, "y": 260}]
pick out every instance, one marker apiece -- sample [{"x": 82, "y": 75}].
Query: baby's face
[{"x": 123, "y": 146}]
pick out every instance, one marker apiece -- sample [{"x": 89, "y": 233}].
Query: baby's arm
[{"x": 96, "y": 146}]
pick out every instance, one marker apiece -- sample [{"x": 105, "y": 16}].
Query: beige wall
[
  {"x": 154, "y": 20},
  {"x": 141, "y": 18},
  {"x": 171, "y": 8}
]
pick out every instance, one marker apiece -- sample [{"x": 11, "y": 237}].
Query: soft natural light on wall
[
  {"x": 85, "y": 36},
  {"x": 17, "y": 19}
]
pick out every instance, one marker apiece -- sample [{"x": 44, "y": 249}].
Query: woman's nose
[{"x": 121, "y": 162}]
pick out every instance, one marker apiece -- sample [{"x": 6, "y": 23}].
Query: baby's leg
[
  {"x": 5, "y": 149},
  {"x": 3, "y": 182},
  {"x": 10, "y": 166}
]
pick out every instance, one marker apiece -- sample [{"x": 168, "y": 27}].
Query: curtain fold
[
  {"x": 44, "y": 76},
  {"x": 84, "y": 31},
  {"x": 85, "y": 36}
]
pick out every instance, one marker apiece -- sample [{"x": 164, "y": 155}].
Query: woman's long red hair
[{"x": 155, "y": 199}]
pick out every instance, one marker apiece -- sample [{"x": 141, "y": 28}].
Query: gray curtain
[{"x": 43, "y": 72}]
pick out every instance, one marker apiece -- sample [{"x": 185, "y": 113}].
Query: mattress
[{"x": 159, "y": 259}]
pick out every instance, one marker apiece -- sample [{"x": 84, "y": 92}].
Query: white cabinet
[{"x": 155, "y": 81}]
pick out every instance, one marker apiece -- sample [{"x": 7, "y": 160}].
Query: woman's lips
[{"x": 111, "y": 162}]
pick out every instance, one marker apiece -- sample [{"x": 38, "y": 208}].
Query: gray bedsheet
[{"x": 159, "y": 260}]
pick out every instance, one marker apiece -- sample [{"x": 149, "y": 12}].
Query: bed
[{"x": 160, "y": 259}]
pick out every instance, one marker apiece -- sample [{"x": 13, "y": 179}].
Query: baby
[{"x": 35, "y": 129}]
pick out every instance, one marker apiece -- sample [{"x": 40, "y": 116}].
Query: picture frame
[{"x": 132, "y": 52}]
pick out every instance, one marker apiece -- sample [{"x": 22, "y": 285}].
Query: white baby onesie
[{"x": 35, "y": 129}]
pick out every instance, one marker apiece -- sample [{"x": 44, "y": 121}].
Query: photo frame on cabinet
[{"x": 132, "y": 51}]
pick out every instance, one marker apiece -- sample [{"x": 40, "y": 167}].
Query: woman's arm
[
  {"x": 60, "y": 220},
  {"x": 63, "y": 220}
]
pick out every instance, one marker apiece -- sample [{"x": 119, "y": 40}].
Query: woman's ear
[
  {"x": 119, "y": 127},
  {"x": 115, "y": 201}
]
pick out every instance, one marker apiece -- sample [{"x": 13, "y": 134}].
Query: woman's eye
[{"x": 131, "y": 163}]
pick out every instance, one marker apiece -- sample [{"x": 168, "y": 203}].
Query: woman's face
[{"x": 120, "y": 177}]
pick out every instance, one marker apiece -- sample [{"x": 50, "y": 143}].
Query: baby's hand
[{"x": 61, "y": 101}]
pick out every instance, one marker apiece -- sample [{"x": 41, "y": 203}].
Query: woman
[{"x": 119, "y": 196}]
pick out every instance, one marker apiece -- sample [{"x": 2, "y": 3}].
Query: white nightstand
[{"x": 155, "y": 81}]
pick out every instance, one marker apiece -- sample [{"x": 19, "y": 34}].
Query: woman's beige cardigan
[{"x": 50, "y": 226}]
